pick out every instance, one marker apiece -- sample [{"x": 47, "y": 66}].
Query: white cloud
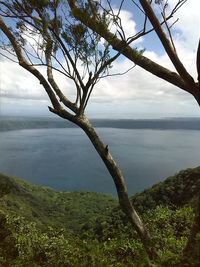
[
  {"x": 188, "y": 24},
  {"x": 136, "y": 85},
  {"x": 32, "y": 37},
  {"x": 18, "y": 83},
  {"x": 186, "y": 33},
  {"x": 127, "y": 23},
  {"x": 135, "y": 92},
  {"x": 139, "y": 85}
]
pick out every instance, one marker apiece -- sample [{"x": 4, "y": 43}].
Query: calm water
[{"x": 64, "y": 158}]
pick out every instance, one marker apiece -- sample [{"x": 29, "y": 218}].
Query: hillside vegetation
[
  {"x": 43, "y": 227},
  {"x": 45, "y": 206},
  {"x": 178, "y": 190}
]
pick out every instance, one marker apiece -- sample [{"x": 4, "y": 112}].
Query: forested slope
[{"x": 44, "y": 227}]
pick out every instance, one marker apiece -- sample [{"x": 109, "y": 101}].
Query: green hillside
[
  {"x": 45, "y": 206},
  {"x": 178, "y": 190},
  {"x": 43, "y": 227}
]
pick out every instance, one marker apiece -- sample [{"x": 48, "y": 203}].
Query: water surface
[{"x": 65, "y": 159}]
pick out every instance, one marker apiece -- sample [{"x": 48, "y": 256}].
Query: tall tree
[
  {"x": 160, "y": 25},
  {"x": 60, "y": 43}
]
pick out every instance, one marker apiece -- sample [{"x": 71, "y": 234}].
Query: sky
[{"x": 137, "y": 94}]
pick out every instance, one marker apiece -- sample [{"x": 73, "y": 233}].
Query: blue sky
[{"x": 137, "y": 94}]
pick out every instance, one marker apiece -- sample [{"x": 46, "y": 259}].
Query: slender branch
[
  {"x": 88, "y": 96},
  {"x": 136, "y": 4},
  {"x": 64, "y": 72},
  {"x": 166, "y": 43},
  {"x": 66, "y": 61},
  {"x": 179, "y": 5},
  {"x": 106, "y": 63},
  {"x": 120, "y": 73},
  {"x": 168, "y": 29},
  {"x": 53, "y": 68},
  {"x": 144, "y": 32},
  {"x": 127, "y": 51},
  {"x": 132, "y": 54},
  {"x": 51, "y": 80},
  {"x": 23, "y": 62},
  {"x": 9, "y": 58},
  {"x": 69, "y": 57},
  {"x": 13, "y": 55}
]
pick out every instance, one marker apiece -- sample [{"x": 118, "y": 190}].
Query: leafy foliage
[
  {"x": 49, "y": 228},
  {"x": 170, "y": 229},
  {"x": 51, "y": 247},
  {"x": 48, "y": 207},
  {"x": 175, "y": 191}
]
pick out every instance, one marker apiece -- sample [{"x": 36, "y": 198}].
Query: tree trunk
[{"x": 118, "y": 179}]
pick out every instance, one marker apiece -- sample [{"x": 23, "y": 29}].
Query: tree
[
  {"x": 75, "y": 34},
  {"x": 181, "y": 78},
  {"x": 54, "y": 35}
]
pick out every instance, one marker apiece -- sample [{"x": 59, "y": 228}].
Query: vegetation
[
  {"x": 45, "y": 227},
  {"x": 73, "y": 29},
  {"x": 175, "y": 191},
  {"x": 60, "y": 44},
  {"x": 44, "y": 206}
]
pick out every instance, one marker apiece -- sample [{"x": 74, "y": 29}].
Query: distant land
[{"x": 18, "y": 123}]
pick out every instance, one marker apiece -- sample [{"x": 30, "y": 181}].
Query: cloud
[
  {"x": 135, "y": 92},
  {"x": 18, "y": 83},
  {"x": 186, "y": 33},
  {"x": 137, "y": 84},
  {"x": 189, "y": 24},
  {"x": 148, "y": 90},
  {"x": 127, "y": 23}
]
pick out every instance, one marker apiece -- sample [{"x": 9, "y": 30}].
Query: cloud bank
[{"x": 136, "y": 92}]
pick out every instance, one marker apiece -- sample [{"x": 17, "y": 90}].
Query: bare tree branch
[
  {"x": 127, "y": 51},
  {"x": 166, "y": 43},
  {"x": 120, "y": 73},
  {"x": 27, "y": 66},
  {"x": 9, "y": 58}
]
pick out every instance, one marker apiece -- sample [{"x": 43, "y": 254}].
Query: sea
[{"x": 54, "y": 153}]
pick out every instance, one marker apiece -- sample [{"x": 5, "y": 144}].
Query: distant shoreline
[{"x": 19, "y": 123}]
